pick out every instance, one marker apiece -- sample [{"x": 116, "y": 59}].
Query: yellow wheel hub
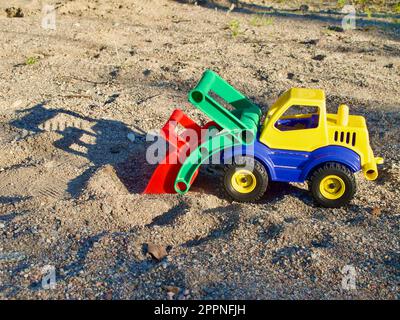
[
  {"x": 243, "y": 181},
  {"x": 332, "y": 187}
]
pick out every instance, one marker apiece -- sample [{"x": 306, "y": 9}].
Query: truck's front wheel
[
  {"x": 333, "y": 185},
  {"x": 245, "y": 180}
]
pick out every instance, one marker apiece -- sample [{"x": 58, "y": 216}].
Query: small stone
[
  {"x": 106, "y": 208},
  {"x": 14, "y": 12},
  {"x": 2, "y": 225},
  {"x": 312, "y": 42},
  {"x": 131, "y": 137},
  {"x": 170, "y": 295},
  {"x": 290, "y": 75},
  {"x": 336, "y": 28},
  {"x": 108, "y": 295},
  {"x": 156, "y": 251},
  {"x": 304, "y": 8},
  {"x": 319, "y": 57}
]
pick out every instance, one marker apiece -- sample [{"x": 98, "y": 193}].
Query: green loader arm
[
  {"x": 239, "y": 126},
  {"x": 244, "y": 118}
]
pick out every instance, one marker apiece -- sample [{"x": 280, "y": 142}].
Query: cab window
[{"x": 298, "y": 118}]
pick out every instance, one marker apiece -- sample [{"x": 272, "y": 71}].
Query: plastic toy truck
[{"x": 298, "y": 141}]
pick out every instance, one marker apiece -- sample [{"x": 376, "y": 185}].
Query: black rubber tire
[
  {"x": 333, "y": 168},
  {"x": 256, "y": 168}
]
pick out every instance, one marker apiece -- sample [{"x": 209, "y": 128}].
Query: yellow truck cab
[{"x": 317, "y": 129}]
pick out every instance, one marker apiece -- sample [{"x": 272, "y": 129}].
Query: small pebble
[
  {"x": 170, "y": 295},
  {"x": 131, "y": 137}
]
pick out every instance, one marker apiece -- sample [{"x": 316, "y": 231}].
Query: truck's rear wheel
[
  {"x": 333, "y": 185},
  {"x": 245, "y": 180}
]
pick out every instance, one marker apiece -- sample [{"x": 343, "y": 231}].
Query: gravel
[{"x": 71, "y": 174}]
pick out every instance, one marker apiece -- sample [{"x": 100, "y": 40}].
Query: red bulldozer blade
[{"x": 163, "y": 178}]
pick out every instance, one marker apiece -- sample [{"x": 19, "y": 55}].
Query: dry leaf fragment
[
  {"x": 174, "y": 290},
  {"x": 376, "y": 212}
]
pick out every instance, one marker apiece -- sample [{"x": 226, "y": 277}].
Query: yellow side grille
[{"x": 345, "y": 137}]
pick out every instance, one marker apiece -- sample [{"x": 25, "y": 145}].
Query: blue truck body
[{"x": 294, "y": 166}]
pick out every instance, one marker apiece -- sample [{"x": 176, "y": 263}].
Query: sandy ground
[{"x": 71, "y": 180}]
